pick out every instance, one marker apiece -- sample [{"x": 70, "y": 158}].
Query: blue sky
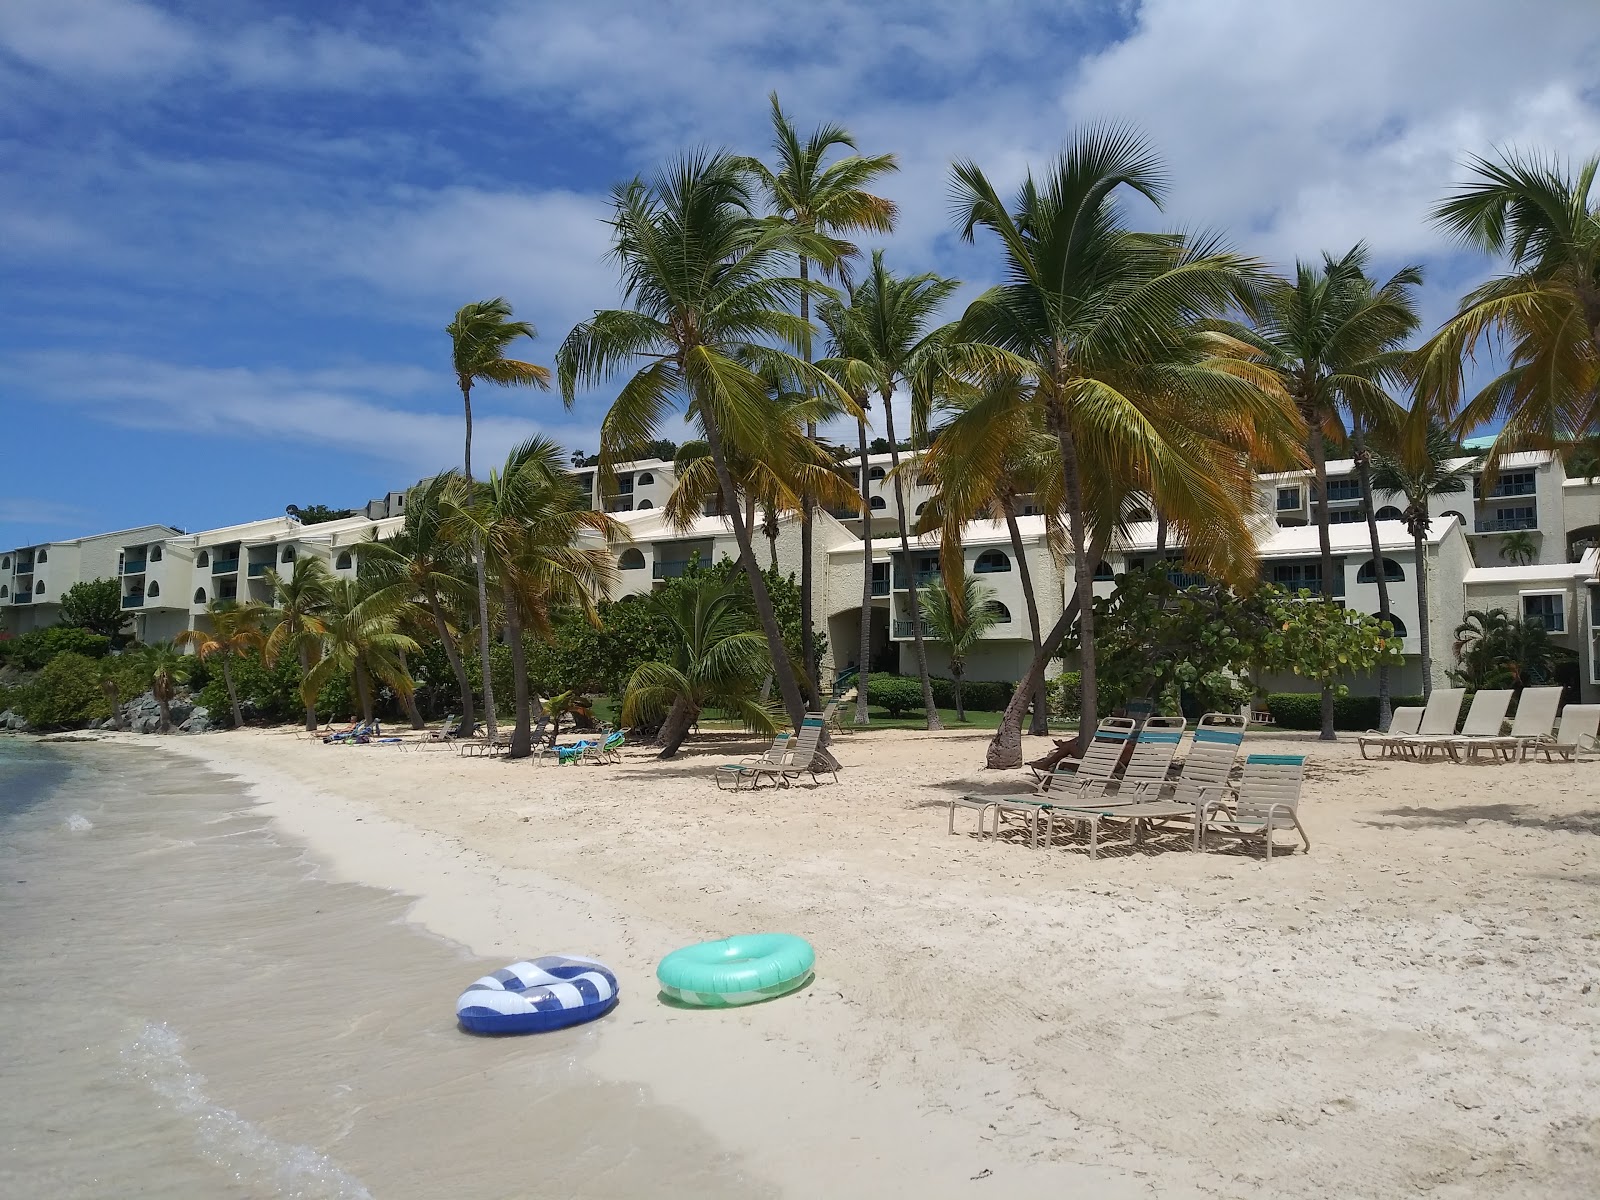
[{"x": 231, "y": 233}]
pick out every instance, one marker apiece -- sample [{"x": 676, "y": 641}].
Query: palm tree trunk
[
  {"x": 1161, "y": 536},
  {"x": 1418, "y": 537},
  {"x": 808, "y": 637},
  {"x": 466, "y": 403},
  {"x": 1319, "y": 461},
  {"x": 363, "y": 690},
  {"x": 305, "y": 669},
  {"x": 408, "y": 699},
  {"x": 866, "y": 582},
  {"x": 1040, "y": 725},
  {"x": 164, "y": 705},
  {"x": 788, "y": 687},
  {"x": 233, "y": 693},
  {"x": 676, "y": 727},
  {"x": 1364, "y": 474},
  {"x": 522, "y": 735},
  {"x": 905, "y": 553},
  {"x": 1083, "y": 572},
  {"x": 955, "y": 675},
  {"x": 483, "y": 635},
  {"x": 453, "y": 656}
]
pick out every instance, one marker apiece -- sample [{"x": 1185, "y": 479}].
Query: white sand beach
[{"x": 1410, "y": 1008}]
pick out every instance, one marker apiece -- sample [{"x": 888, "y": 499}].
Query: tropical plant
[
  {"x": 164, "y": 669},
  {"x": 885, "y": 341},
  {"x": 821, "y": 202},
  {"x": 297, "y": 620},
  {"x": 701, "y": 272},
  {"x": 1493, "y": 649},
  {"x": 95, "y": 605},
  {"x": 1544, "y": 314},
  {"x": 542, "y": 543},
  {"x": 1518, "y": 548},
  {"x": 1335, "y": 337},
  {"x": 1102, "y": 323},
  {"x": 235, "y": 628},
  {"x": 574, "y": 703},
  {"x": 1418, "y": 461},
  {"x": 718, "y": 660},
  {"x": 361, "y": 637},
  {"x": 479, "y": 336},
  {"x": 959, "y": 622},
  {"x": 1323, "y": 642}
]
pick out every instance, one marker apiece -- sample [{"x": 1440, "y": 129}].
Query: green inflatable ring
[{"x": 737, "y": 970}]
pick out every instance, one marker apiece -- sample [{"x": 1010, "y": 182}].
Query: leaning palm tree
[
  {"x": 1101, "y": 321},
  {"x": 1544, "y": 313},
  {"x": 544, "y": 546},
  {"x": 717, "y": 660},
  {"x": 959, "y": 620},
  {"x": 301, "y": 600},
  {"x": 702, "y": 273},
  {"x": 1418, "y": 461},
  {"x": 479, "y": 336},
  {"x": 362, "y": 639},
  {"x": 1335, "y": 338},
  {"x": 164, "y": 668},
  {"x": 822, "y": 202},
  {"x": 235, "y": 629},
  {"x": 884, "y": 341}
]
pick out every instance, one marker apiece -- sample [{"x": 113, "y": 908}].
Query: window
[
  {"x": 645, "y": 480},
  {"x": 1450, "y": 512},
  {"x": 204, "y": 560},
  {"x": 38, "y": 588},
  {"x": 1028, "y": 510},
  {"x": 875, "y": 473},
  {"x": 1307, "y": 573},
  {"x": 1139, "y": 515},
  {"x": 631, "y": 560},
  {"x": 644, "y": 504},
  {"x": 42, "y": 557},
  {"x": 920, "y": 507},
  {"x": 1399, "y": 625},
  {"x": 6, "y": 565},
  {"x": 199, "y": 595},
  {"x": 1346, "y": 516},
  {"x": 624, "y": 485},
  {"x": 288, "y": 554},
  {"x": 153, "y": 590},
  {"x": 1512, "y": 483},
  {"x": 877, "y": 504},
  {"x": 1549, "y": 609},
  {"x": 155, "y": 553},
  {"x": 1390, "y": 513},
  {"x": 1103, "y": 571},
  {"x": 1002, "y": 614},
  {"x": 4, "y": 591},
  {"x": 1288, "y": 498},
  {"x": 1343, "y": 490},
  {"x": 1391, "y": 572},
  {"x": 991, "y": 562},
  {"x": 342, "y": 563}
]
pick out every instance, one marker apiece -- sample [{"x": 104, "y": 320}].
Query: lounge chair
[
  {"x": 776, "y": 754},
  {"x": 1095, "y": 770},
  {"x": 1580, "y": 725},
  {"x": 1536, "y": 717},
  {"x": 1438, "y": 720},
  {"x": 361, "y": 731},
  {"x": 1486, "y": 718},
  {"x": 1267, "y": 798},
  {"x": 805, "y": 752},
  {"x": 476, "y": 747},
  {"x": 1403, "y": 720},
  {"x": 607, "y": 750},
  {"x": 434, "y": 737}
]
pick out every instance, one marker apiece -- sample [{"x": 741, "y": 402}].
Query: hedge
[{"x": 1303, "y": 710}]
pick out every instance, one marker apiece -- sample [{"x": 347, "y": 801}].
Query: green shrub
[
  {"x": 31, "y": 651},
  {"x": 66, "y": 694},
  {"x": 1303, "y": 710},
  {"x": 896, "y": 693}
]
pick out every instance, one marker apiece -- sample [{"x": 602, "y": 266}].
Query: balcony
[
  {"x": 1518, "y": 484},
  {"x": 225, "y": 566},
  {"x": 902, "y": 629},
  {"x": 880, "y": 587},
  {"x": 258, "y": 569},
  {"x": 22, "y": 598},
  {"x": 924, "y": 578},
  {"x": 1187, "y": 579},
  {"x": 671, "y": 568},
  {"x": 1507, "y": 524},
  {"x": 134, "y": 566},
  {"x": 132, "y": 601}
]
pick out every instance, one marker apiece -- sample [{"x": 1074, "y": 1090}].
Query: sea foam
[{"x": 79, "y": 823}]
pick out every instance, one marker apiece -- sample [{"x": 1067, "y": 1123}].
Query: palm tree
[
  {"x": 1102, "y": 323},
  {"x": 1496, "y": 650},
  {"x": 437, "y": 571},
  {"x": 1518, "y": 548},
  {"x": 164, "y": 667},
  {"x": 708, "y": 310},
  {"x": 960, "y": 623},
  {"x": 884, "y": 341},
  {"x": 235, "y": 629},
  {"x": 1416, "y": 462},
  {"x": 543, "y": 544},
  {"x": 479, "y": 336},
  {"x": 1544, "y": 313},
  {"x": 821, "y": 202},
  {"x": 718, "y": 659},
  {"x": 302, "y": 599},
  {"x": 1335, "y": 338},
  {"x": 362, "y": 639}
]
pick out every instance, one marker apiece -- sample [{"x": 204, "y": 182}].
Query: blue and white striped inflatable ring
[{"x": 531, "y": 997}]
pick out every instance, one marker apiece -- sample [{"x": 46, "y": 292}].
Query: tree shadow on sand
[{"x": 1518, "y": 816}]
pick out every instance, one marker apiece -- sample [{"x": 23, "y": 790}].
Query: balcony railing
[
  {"x": 1506, "y": 487},
  {"x": 225, "y": 566},
  {"x": 924, "y": 578},
  {"x": 258, "y": 569},
  {"x": 880, "y": 587},
  {"x": 134, "y": 566},
  {"x": 902, "y": 629},
  {"x": 1507, "y": 524},
  {"x": 671, "y": 568},
  {"x": 132, "y": 601},
  {"x": 1187, "y": 579}
]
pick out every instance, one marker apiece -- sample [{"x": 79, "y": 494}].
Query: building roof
[
  {"x": 1546, "y": 573},
  {"x": 1275, "y": 541},
  {"x": 166, "y": 531},
  {"x": 974, "y": 533},
  {"x": 1347, "y": 466}
]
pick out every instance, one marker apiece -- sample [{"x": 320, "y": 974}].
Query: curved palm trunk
[
  {"x": 1364, "y": 474},
  {"x": 233, "y": 693},
  {"x": 680, "y": 718},
  {"x": 483, "y": 636},
  {"x": 905, "y": 554},
  {"x": 1419, "y": 538},
  {"x": 1040, "y": 725},
  {"x": 311, "y": 705},
  {"x": 408, "y": 699},
  {"x": 865, "y": 655},
  {"x": 363, "y": 689},
  {"x": 453, "y": 656},
  {"x": 1319, "y": 462},
  {"x": 522, "y": 734},
  {"x": 808, "y": 637},
  {"x": 1083, "y": 572}
]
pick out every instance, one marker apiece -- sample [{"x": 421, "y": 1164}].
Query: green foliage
[
  {"x": 980, "y": 695},
  {"x": 95, "y": 605},
  {"x": 316, "y": 514},
  {"x": 33, "y": 650},
  {"x": 271, "y": 693},
  {"x": 66, "y": 694},
  {"x": 1303, "y": 710},
  {"x": 1322, "y": 641},
  {"x": 1494, "y": 650},
  {"x": 896, "y": 693}
]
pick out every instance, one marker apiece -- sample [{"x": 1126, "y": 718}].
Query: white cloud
[
  {"x": 98, "y": 39},
  {"x": 27, "y": 510}
]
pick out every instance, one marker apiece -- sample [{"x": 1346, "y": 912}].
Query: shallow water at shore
[{"x": 186, "y": 1009}]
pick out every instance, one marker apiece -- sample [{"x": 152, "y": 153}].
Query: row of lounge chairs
[
  {"x": 1099, "y": 789},
  {"x": 1424, "y": 733},
  {"x": 784, "y": 761}
]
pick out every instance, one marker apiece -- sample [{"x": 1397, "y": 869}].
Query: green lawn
[{"x": 880, "y": 719}]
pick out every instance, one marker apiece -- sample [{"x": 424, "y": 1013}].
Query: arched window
[
  {"x": 1450, "y": 512},
  {"x": 4, "y": 591},
  {"x": 877, "y": 504},
  {"x": 1391, "y": 572},
  {"x": 1103, "y": 571},
  {"x": 875, "y": 473},
  {"x": 42, "y": 557},
  {"x": 204, "y": 559},
  {"x": 153, "y": 590},
  {"x": 1139, "y": 515},
  {"x": 920, "y": 507},
  {"x": 644, "y": 504},
  {"x": 342, "y": 563},
  {"x": 631, "y": 560},
  {"x": 1390, "y": 513},
  {"x": 1399, "y": 625},
  {"x": 1002, "y": 614},
  {"x": 6, "y": 564},
  {"x": 288, "y": 554},
  {"x": 992, "y": 562},
  {"x": 155, "y": 553},
  {"x": 645, "y": 480},
  {"x": 199, "y": 595},
  {"x": 38, "y": 588}
]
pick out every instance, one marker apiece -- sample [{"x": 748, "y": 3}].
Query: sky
[{"x": 231, "y": 233}]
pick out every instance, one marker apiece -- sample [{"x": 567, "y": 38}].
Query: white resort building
[{"x": 167, "y": 576}]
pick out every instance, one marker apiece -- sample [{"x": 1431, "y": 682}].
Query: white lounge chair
[
  {"x": 775, "y": 755},
  {"x": 1267, "y": 798},
  {"x": 800, "y": 763},
  {"x": 1075, "y": 777},
  {"x": 1577, "y": 732},
  {"x": 1536, "y": 717},
  {"x": 1486, "y": 718},
  {"x": 1404, "y": 719},
  {"x": 1439, "y": 719}
]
